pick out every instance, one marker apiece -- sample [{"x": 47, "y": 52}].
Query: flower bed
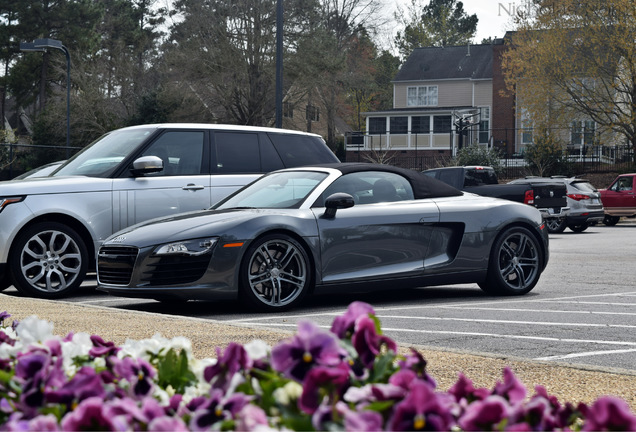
[{"x": 348, "y": 378}]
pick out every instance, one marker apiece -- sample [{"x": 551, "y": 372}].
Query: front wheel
[
  {"x": 611, "y": 220},
  {"x": 515, "y": 264},
  {"x": 276, "y": 273},
  {"x": 555, "y": 225},
  {"x": 5, "y": 283},
  {"x": 578, "y": 228},
  {"x": 48, "y": 260}
]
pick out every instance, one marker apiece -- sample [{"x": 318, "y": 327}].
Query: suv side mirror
[
  {"x": 337, "y": 201},
  {"x": 147, "y": 165}
]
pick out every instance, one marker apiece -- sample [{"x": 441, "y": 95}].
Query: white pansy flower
[
  {"x": 257, "y": 349},
  {"x": 181, "y": 343},
  {"x": 34, "y": 330},
  {"x": 287, "y": 393},
  {"x": 9, "y": 331},
  {"x": 139, "y": 349},
  {"x": 78, "y": 346},
  {"x": 198, "y": 367}
]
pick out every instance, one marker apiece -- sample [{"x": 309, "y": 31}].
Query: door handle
[
  {"x": 429, "y": 219},
  {"x": 193, "y": 187}
]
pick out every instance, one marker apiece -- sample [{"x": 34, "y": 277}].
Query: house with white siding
[{"x": 442, "y": 100}]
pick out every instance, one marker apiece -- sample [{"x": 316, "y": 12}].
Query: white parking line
[
  {"x": 585, "y": 354},
  {"x": 492, "y": 309},
  {"x": 463, "y": 306},
  {"x": 491, "y": 321},
  {"x": 494, "y": 335}
]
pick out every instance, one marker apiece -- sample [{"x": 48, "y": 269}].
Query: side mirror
[
  {"x": 147, "y": 165},
  {"x": 337, "y": 201}
]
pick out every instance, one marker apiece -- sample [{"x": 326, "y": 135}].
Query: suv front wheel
[{"x": 48, "y": 260}]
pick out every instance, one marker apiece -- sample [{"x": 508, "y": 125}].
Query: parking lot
[{"x": 583, "y": 311}]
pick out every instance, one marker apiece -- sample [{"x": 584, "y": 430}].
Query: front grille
[
  {"x": 175, "y": 270},
  {"x": 115, "y": 264}
]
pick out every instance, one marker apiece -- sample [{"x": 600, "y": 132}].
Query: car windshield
[
  {"x": 102, "y": 156},
  {"x": 278, "y": 190}
]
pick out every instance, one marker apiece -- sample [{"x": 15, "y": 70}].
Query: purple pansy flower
[
  {"x": 367, "y": 342},
  {"x": 485, "y": 414},
  {"x": 232, "y": 361},
  {"x": 90, "y": 415},
  {"x": 353, "y": 421},
  {"x": 322, "y": 381},
  {"x": 85, "y": 383},
  {"x": 415, "y": 361},
  {"x": 511, "y": 388},
  {"x": 608, "y": 413},
  {"x": 343, "y": 325},
  {"x": 102, "y": 348},
  {"x": 464, "y": 389},
  {"x": 3, "y": 316},
  {"x": 41, "y": 423},
  {"x": 421, "y": 409},
  {"x": 309, "y": 347},
  {"x": 167, "y": 424},
  {"x": 251, "y": 418},
  {"x": 138, "y": 372},
  {"x": 31, "y": 363},
  {"x": 216, "y": 408}
]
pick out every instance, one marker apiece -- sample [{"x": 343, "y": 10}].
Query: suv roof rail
[{"x": 558, "y": 176}]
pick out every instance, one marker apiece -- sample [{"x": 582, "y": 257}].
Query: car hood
[
  {"x": 55, "y": 185},
  {"x": 184, "y": 226}
]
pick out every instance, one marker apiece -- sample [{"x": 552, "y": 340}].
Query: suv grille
[
  {"x": 115, "y": 264},
  {"x": 176, "y": 270}
]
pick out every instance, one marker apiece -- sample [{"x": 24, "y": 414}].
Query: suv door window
[
  {"x": 237, "y": 152},
  {"x": 181, "y": 152}
]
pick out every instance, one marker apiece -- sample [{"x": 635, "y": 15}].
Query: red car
[{"x": 619, "y": 199}]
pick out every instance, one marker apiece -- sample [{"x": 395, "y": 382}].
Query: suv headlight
[
  {"x": 5, "y": 201},
  {"x": 193, "y": 247}
]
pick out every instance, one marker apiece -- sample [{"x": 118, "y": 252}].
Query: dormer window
[{"x": 421, "y": 96}]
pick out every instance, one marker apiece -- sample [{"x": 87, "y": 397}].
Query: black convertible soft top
[{"x": 423, "y": 185}]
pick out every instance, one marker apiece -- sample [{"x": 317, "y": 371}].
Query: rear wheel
[
  {"x": 555, "y": 225},
  {"x": 48, "y": 260},
  {"x": 515, "y": 264},
  {"x": 276, "y": 273},
  {"x": 578, "y": 228},
  {"x": 611, "y": 220}
]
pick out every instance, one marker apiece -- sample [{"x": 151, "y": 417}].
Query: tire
[
  {"x": 611, "y": 220},
  {"x": 5, "y": 283},
  {"x": 579, "y": 228},
  {"x": 515, "y": 264},
  {"x": 275, "y": 274},
  {"x": 48, "y": 260},
  {"x": 555, "y": 225}
]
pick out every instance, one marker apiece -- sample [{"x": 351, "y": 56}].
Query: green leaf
[{"x": 173, "y": 370}]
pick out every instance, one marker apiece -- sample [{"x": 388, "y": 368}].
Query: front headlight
[
  {"x": 193, "y": 247},
  {"x": 5, "y": 201}
]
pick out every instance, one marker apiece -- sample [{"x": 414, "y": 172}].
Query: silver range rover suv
[{"x": 51, "y": 227}]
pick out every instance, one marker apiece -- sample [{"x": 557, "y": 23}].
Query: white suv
[{"x": 51, "y": 227}]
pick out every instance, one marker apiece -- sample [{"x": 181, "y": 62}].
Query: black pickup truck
[{"x": 549, "y": 198}]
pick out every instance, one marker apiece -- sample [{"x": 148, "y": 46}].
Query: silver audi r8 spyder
[{"x": 330, "y": 228}]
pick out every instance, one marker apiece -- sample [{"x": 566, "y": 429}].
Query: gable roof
[{"x": 441, "y": 63}]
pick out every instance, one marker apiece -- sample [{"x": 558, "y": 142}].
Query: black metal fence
[
  {"x": 16, "y": 159},
  {"x": 599, "y": 159}
]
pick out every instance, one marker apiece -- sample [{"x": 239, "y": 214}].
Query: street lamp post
[{"x": 42, "y": 45}]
